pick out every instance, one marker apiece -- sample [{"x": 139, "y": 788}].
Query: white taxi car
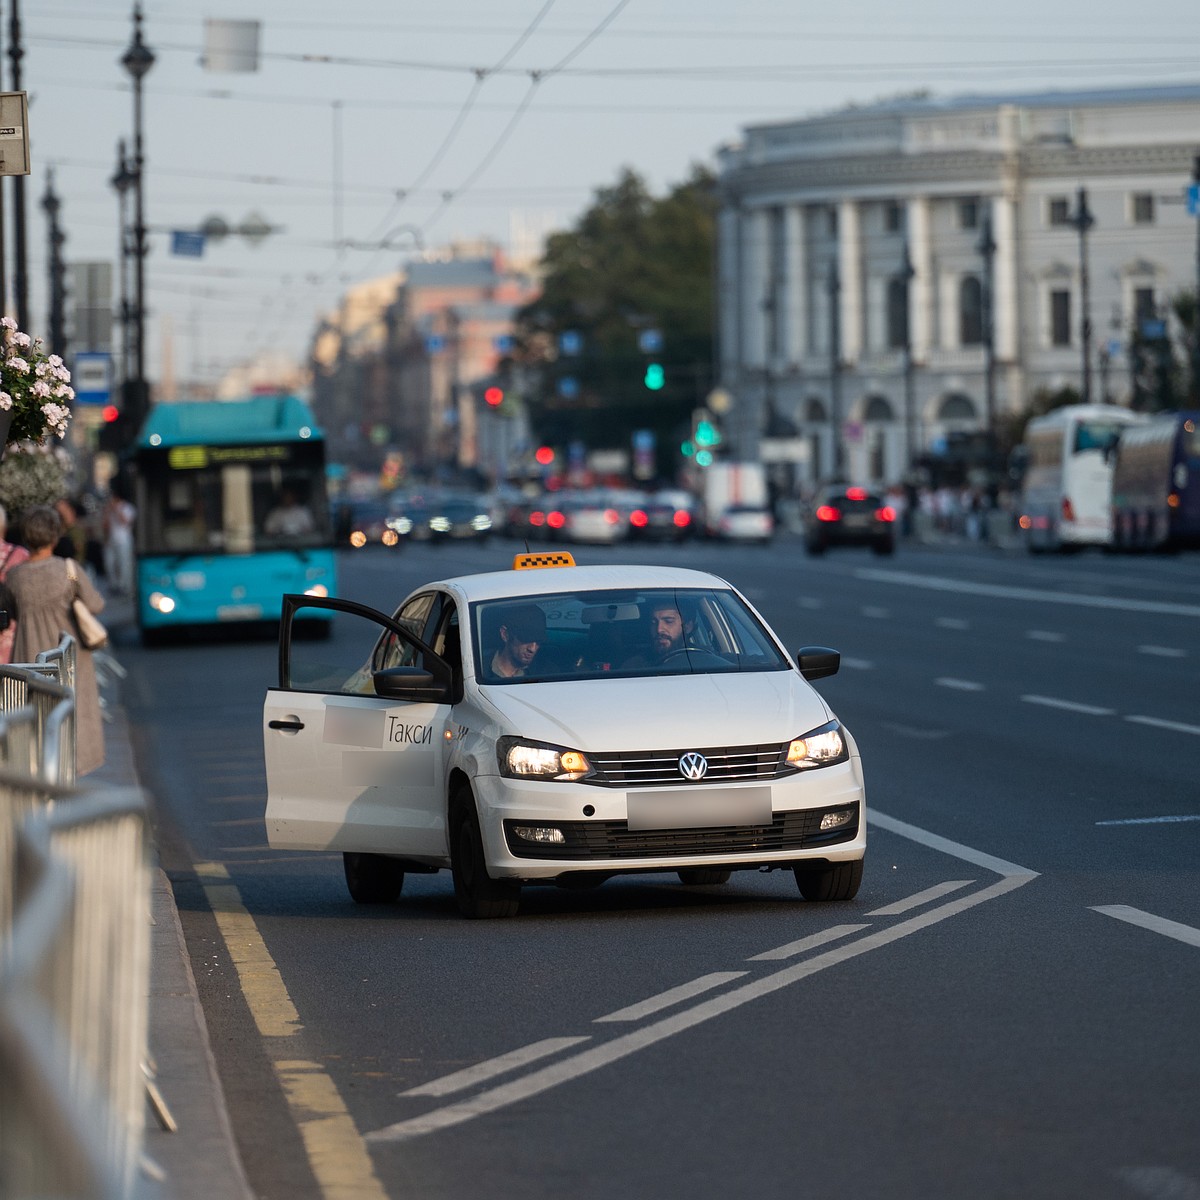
[{"x": 559, "y": 724}]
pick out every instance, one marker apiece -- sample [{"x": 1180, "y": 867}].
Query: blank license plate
[{"x": 699, "y": 808}]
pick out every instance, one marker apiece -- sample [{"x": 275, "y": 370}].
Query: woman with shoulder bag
[
  {"x": 11, "y": 555},
  {"x": 45, "y": 592}
]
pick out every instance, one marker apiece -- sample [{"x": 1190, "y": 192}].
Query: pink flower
[
  {"x": 5, "y": 401},
  {"x": 18, "y": 364}
]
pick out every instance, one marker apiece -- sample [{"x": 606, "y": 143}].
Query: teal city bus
[{"x": 232, "y": 513}]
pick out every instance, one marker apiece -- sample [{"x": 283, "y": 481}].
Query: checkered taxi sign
[{"x": 526, "y": 562}]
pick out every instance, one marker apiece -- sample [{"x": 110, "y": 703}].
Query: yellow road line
[{"x": 336, "y": 1151}]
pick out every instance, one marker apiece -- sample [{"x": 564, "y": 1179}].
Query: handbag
[{"x": 92, "y": 634}]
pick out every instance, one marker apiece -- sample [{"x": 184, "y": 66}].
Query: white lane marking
[
  {"x": 1161, "y": 1183},
  {"x": 962, "y": 685},
  {"x": 1158, "y": 723},
  {"x": 952, "y": 623},
  {"x": 791, "y": 949},
  {"x": 926, "y": 897},
  {"x": 1044, "y": 635},
  {"x": 1090, "y": 710},
  {"x": 1151, "y": 820},
  {"x": 875, "y": 612},
  {"x": 675, "y": 995},
  {"x": 459, "y": 1081},
  {"x": 927, "y": 735},
  {"x": 858, "y": 664},
  {"x": 1163, "y": 651},
  {"x": 809, "y": 602},
  {"x": 955, "y": 849},
  {"x": 1145, "y": 920},
  {"x": 940, "y": 584},
  {"x": 603, "y": 1055}
]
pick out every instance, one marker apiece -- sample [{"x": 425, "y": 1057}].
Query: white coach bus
[{"x": 1066, "y": 494}]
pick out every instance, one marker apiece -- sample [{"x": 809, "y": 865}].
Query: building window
[
  {"x": 968, "y": 212},
  {"x": 897, "y": 314},
  {"x": 1060, "y": 317},
  {"x": 893, "y": 217},
  {"x": 1143, "y": 208},
  {"x": 970, "y": 311},
  {"x": 1059, "y": 210},
  {"x": 1145, "y": 311}
]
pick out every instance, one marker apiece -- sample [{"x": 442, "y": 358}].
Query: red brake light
[
  {"x": 886, "y": 513},
  {"x": 638, "y": 519},
  {"x": 682, "y": 518},
  {"x": 856, "y": 493},
  {"x": 537, "y": 518},
  {"x": 610, "y": 516},
  {"x": 828, "y": 513},
  {"x": 555, "y": 519}
]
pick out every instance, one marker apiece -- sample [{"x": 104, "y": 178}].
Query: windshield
[
  {"x": 1096, "y": 435},
  {"x": 655, "y": 631},
  {"x": 232, "y": 500}
]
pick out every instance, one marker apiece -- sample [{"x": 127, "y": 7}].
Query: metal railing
[{"x": 74, "y": 954}]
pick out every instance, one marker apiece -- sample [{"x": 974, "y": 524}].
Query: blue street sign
[
  {"x": 570, "y": 342},
  {"x": 187, "y": 243},
  {"x": 91, "y": 377},
  {"x": 650, "y": 341},
  {"x": 568, "y": 387},
  {"x": 1193, "y": 200}
]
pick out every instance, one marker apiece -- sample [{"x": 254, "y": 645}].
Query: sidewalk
[{"x": 199, "y": 1159}]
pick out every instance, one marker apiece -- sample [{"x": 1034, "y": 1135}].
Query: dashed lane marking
[
  {"x": 1159, "y": 723},
  {"x": 1145, "y": 920},
  {"x": 875, "y": 612},
  {"x": 928, "y": 896},
  {"x": 1152, "y": 820},
  {"x": 858, "y": 664},
  {"x": 1090, "y": 710},
  {"x": 460, "y": 1081},
  {"x": 1161, "y": 1183},
  {"x": 952, "y": 623},
  {"x": 792, "y": 949},
  {"x": 1044, "y": 635},
  {"x": 961, "y": 685},
  {"x": 675, "y": 995},
  {"x": 1163, "y": 651}
]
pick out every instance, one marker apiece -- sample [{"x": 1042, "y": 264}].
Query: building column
[
  {"x": 920, "y": 248},
  {"x": 795, "y": 305},
  {"x": 756, "y": 271},
  {"x": 850, "y": 252},
  {"x": 1004, "y": 307}
]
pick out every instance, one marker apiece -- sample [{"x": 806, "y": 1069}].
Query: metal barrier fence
[{"x": 74, "y": 954}]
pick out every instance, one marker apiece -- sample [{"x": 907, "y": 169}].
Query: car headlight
[
  {"x": 521, "y": 759},
  {"x": 821, "y": 747}
]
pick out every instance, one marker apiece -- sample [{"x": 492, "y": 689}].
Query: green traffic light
[
  {"x": 655, "y": 377},
  {"x": 706, "y": 434}
]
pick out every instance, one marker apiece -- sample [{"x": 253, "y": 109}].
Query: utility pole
[
  {"x": 20, "y": 265},
  {"x": 835, "y": 366},
  {"x": 51, "y": 204},
  {"x": 987, "y": 248},
  {"x": 1082, "y": 220}
]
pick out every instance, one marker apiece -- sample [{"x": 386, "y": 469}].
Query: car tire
[
  {"x": 372, "y": 878},
  {"x": 703, "y": 876},
  {"x": 838, "y": 881},
  {"x": 478, "y": 895}
]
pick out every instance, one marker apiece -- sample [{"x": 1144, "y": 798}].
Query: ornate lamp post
[
  {"x": 138, "y": 59},
  {"x": 1082, "y": 220},
  {"x": 121, "y": 182},
  {"x": 51, "y": 205}
]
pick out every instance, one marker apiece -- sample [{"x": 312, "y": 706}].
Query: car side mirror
[
  {"x": 818, "y": 662},
  {"x": 412, "y": 684}
]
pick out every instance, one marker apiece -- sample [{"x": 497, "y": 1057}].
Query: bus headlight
[{"x": 161, "y": 602}]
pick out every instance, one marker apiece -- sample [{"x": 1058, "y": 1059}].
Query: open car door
[{"x": 354, "y": 733}]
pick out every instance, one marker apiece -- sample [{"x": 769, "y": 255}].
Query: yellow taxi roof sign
[{"x": 527, "y": 562}]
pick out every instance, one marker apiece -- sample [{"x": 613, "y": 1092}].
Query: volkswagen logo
[{"x": 693, "y": 766}]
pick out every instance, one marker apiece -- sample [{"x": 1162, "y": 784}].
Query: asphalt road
[{"x": 1008, "y": 1008}]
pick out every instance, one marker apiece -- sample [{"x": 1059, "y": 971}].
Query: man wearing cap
[{"x": 522, "y": 632}]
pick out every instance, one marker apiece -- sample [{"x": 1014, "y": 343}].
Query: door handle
[{"x": 293, "y": 725}]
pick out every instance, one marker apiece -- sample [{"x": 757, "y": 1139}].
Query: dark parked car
[
  {"x": 665, "y": 517},
  {"x": 850, "y": 516}
]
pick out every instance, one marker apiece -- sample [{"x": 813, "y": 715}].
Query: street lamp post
[
  {"x": 907, "y": 274},
  {"x": 51, "y": 205},
  {"x": 835, "y": 366},
  {"x": 987, "y": 248},
  {"x": 121, "y": 182},
  {"x": 1082, "y": 220},
  {"x": 137, "y": 61}
]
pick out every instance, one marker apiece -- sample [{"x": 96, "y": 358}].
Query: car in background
[
  {"x": 659, "y": 726},
  {"x": 456, "y": 517},
  {"x": 667, "y": 516},
  {"x": 591, "y": 518},
  {"x": 850, "y": 516},
  {"x": 362, "y": 523},
  {"x": 745, "y": 523}
]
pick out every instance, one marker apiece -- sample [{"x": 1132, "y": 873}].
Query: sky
[{"x": 373, "y": 131}]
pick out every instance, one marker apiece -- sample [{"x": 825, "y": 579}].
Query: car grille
[
  {"x": 586, "y": 840},
  {"x": 660, "y": 768}
]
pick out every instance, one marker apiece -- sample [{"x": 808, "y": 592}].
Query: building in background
[{"x": 861, "y": 254}]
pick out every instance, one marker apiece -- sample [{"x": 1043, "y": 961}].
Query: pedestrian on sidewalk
[
  {"x": 11, "y": 555},
  {"x": 119, "y": 516},
  {"x": 44, "y": 590}
]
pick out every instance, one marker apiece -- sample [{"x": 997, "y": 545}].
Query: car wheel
[
  {"x": 703, "y": 876},
  {"x": 372, "y": 878},
  {"x": 839, "y": 881},
  {"x": 477, "y": 894}
]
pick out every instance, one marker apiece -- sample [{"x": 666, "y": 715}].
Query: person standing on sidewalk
[
  {"x": 43, "y": 589},
  {"x": 11, "y": 555}
]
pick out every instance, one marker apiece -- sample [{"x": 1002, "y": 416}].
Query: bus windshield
[
  {"x": 238, "y": 499},
  {"x": 1096, "y": 435}
]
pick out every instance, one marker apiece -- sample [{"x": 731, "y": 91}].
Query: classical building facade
[{"x": 894, "y": 274}]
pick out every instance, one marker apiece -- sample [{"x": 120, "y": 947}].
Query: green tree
[{"x": 632, "y": 264}]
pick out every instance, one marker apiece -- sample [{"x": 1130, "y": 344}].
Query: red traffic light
[
  {"x": 544, "y": 455},
  {"x": 494, "y": 396},
  {"x": 110, "y": 412}
]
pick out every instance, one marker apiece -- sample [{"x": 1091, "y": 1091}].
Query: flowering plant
[
  {"x": 35, "y": 387},
  {"x": 31, "y": 474}
]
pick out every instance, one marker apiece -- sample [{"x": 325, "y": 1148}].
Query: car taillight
[
  {"x": 555, "y": 519},
  {"x": 856, "y": 493},
  {"x": 682, "y": 518},
  {"x": 828, "y": 513},
  {"x": 1068, "y": 510},
  {"x": 537, "y": 518},
  {"x": 886, "y": 513},
  {"x": 610, "y": 516},
  {"x": 638, "y": 519}
]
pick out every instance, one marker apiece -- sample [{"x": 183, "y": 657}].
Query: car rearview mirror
[
  {"x": 817, "y": 662},
  {"x": 411, "y": 683}
]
